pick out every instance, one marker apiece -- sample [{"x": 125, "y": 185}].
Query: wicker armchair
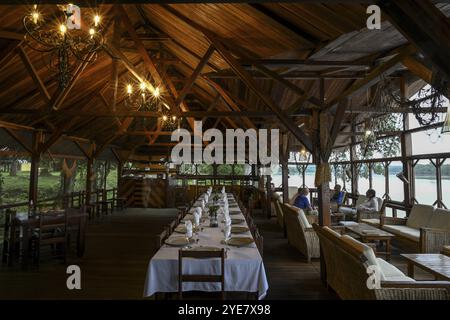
[
  {"x": 446, "y": 251},
  {"x": 426, "y": 229},
  {"x": 346, "y": 273},
  {"x": 373, "y": 218},
  {"x": 300, "y": 234}
]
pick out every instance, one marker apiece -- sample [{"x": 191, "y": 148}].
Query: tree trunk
[{"x": 14, "y": 168}]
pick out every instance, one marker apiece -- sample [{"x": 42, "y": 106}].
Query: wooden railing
[{"x": 73, "y": 199}]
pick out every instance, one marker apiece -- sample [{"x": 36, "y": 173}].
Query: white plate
[{"x": 179, "y": 241}]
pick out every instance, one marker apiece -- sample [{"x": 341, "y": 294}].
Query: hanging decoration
[
  {"x": 68, "y": 172},
  {"x": 427, "y": 105},
  {"x": 64, "y": 37}
]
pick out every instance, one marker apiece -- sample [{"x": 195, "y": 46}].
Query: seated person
[
  {"x": 371, "y": 205},
  {"x": 301, "y": 200},
  {"x": 338, "y": 195}
]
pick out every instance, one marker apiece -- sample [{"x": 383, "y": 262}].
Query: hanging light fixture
[{"x": 64, "y": 38}]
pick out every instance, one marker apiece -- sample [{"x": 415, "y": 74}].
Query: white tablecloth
[{"x": 244, "y": 268}]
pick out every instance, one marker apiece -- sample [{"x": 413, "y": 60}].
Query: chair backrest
[
  {"x": 172, "y": 225},
  {"x": 201, "y": 254},
  {"x": 345, "y": 266},
  {"x": 160, "y": 238},
  {"x": 446, "y": 250},
  {"x": 54, "y": 226},
  {"x": 259, "y": 242},
  {"x": 361, "y": 199}
]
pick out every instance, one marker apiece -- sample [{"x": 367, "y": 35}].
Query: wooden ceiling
[{"x": 301, "y": 58}]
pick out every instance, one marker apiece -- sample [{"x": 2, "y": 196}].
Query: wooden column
[
  {"x": 406, "y": 149},
  {"x": 268, "y": 196},
  {"x": 89, "y": 172},
  {"x": 353, "y": 157},
  {"x": 284, "y": 167},
  {"x": 34, "y": 170}
]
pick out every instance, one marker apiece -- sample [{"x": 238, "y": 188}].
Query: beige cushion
[
  {"x": 419, "y": 216},
  {"x": 292, "y": 191},
  {"x": 277, "y": 197},
  {"x": 331, "y": 231},
  {"x": 374, "y": 222},
  {"x": 440, "y": 219},
  {"x": 404, "y": 231},
  {"x": 302, "y": 217},
  {"x": 391, "y": 273},
  {"x": 361, "y": 247}
]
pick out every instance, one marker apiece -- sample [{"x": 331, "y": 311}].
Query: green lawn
[{"x": 15, "y": 189}]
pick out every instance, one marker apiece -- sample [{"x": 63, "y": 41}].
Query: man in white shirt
[{"x": 371, "y": 205}]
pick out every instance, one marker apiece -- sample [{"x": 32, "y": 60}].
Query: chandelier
[
  {"x": 64, "y": 38},
  {"x": 147, "y": 97}
]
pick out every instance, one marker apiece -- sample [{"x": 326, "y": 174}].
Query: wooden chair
[
  {"x": 160, "y": 238},
  {"x": 171, "y": 226},
  {"x": 446, "y": 251},
  {"x": 52, "y": 232},
  {"x": 259, "y": 242},
  {"x": 197, "y": 254},
  {"x": 11, "y": 238}
]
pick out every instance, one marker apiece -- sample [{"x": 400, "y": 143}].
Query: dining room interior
[{"x": 225, "y": 151}]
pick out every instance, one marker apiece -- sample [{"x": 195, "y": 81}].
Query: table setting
[{"x": 210, "y": 225}]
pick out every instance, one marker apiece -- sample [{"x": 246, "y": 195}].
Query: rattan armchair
[
  {"x": 346, "y": 274},
  {"x": 300, "y": 234}
]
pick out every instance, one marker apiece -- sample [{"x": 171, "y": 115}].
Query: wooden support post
[
  {"x": 89, "y": 172},
  {"x": 353, "y": 157},
  {"x": 34, "y": 170},
  {"x": 406, "y": 149},
  {"x": 284, "y": 168}
]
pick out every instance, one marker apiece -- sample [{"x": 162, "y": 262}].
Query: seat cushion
[
  {"x": 362, "y": 248},
  {"x": 440, "y": 219},
  {"x": 389, "y": 272},
  {"x": 302, "y": 217},
  {"x": 404, "y": 231},
  {"x": 420, "y": 216},
  {"x": 373, "y": 222}
]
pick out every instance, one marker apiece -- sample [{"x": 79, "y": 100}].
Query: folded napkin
[
  {"x": 197, "y": 216},
  {"x": 203, "y": 204},
  {"x": 227, "y": 220},
  {"x": 188, "y": 224},
  {"x": 223, "y": 190},
  {"x": 227, "y": 232}
]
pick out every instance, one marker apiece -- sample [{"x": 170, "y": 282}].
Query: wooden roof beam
[
  {"x": 18, "y": 139},
  {"x": 34, "y": 75},
  {"x": 373, "y": 76},
  {"x": 248, "y": 80},
  {"x": 424, "y": 25},
  {"x": 306, "y": 37}
]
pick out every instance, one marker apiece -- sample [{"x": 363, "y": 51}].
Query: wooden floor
[{"x": 118, "y": 251}]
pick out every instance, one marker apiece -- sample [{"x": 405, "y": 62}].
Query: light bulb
[
  {"x": 368, "y": 132},
  {"x": 164, "y": 118},
  {"x": 156, "y": 92},
  {"x": 129, "y": 89},
  {"x": 96, "y": 20},
  {"x": 174, "y": 118},
  {"x": 303, "y": 152},
  {"x": 91, "y": 31},
  {"x": 62, "y": 28},
  {"x": 142, "y": 86},
  {"x": 35, "y": 16}
]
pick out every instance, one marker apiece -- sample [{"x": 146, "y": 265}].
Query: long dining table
[{"x": 244, "y": 268}]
